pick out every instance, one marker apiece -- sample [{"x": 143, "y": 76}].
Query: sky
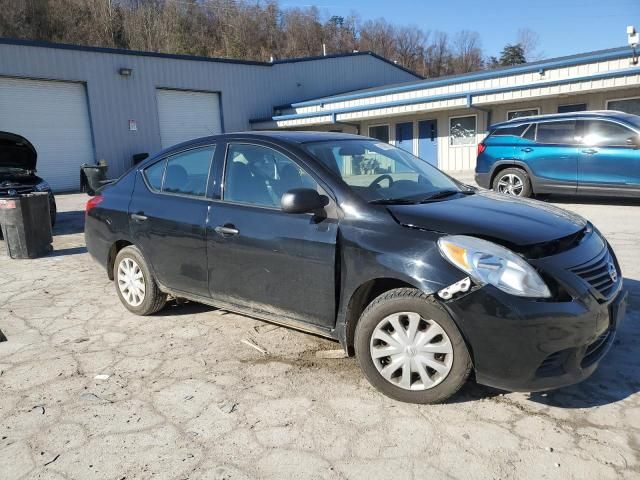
[{"x": 565, "y": 27}]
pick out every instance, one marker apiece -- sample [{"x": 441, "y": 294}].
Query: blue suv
[{"x": 583, "y": 153}]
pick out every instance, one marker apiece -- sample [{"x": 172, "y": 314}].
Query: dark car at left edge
[{"x": 425, "y": 279}]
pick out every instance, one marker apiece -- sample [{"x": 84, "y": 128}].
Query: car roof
[
  {"x": 277, "y": 136},
  {"x": 591, "y": 114}
]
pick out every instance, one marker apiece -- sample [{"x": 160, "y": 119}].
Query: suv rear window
[{"x": 516, "y": 131}]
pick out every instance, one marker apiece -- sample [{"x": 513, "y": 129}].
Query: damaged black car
[
  {"x": 18, "y": 159},
  {"x": 426, "y": 280}
]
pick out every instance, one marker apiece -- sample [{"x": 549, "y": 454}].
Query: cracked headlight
[
  {"x": 42, "y": 187},
  {"x": 488, "y": 263}
]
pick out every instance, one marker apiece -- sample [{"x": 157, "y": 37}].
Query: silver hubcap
[
  {"x": 510, "y": 184},
  {"x": 411, "y": 352},
  {"x": 131, "y": 282}
]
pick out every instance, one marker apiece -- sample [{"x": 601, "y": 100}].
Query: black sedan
[{"x": 423, "y": 278}]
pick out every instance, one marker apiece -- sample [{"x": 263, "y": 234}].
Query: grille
[
  {"x": 552, "y": 365},
  {"x": 598, "y": 274},
  {"x": 4, "y": 192},
  {"x": 597, "y": 349}
]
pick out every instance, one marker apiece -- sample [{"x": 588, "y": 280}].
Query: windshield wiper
[
  {"x": 440, "y": 194},
  {"x": 392, "y": 201}
]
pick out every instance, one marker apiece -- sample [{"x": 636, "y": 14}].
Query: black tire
[
  {"x": 411, "y": 300},
  {"x": 153, "y": 300},
  {"x": 521, "y": 175}
]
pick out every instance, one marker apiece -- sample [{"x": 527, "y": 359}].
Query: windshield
[{"x": 381, "y": 173}]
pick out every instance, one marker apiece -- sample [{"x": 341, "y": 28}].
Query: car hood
[
  {"x": 17, "y": 152},
  {"x": 507, "y": 220}
]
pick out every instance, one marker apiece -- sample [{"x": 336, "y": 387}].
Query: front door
[
  {"x": 428, "y": 141},
  {"x": 553, "y": 158},
  {"x": 610, "y": 161},
  {"x": 404, "y": 136},
  {"x": 262, "y": 258},
  {"x": 168, "y": 213}
]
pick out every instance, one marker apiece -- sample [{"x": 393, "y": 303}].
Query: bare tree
[
  {"x": 529, "y": 41},
  {"x": 467, "y": 52}
]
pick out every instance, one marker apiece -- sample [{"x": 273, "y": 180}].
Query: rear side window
[
  {"x": 564, "y": 132},
  {"x": 516, "y": 131},
  {"x": 185, "y": 173},
  {"x": 154, "y": 175}
]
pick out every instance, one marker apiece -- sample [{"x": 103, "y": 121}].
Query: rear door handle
[
  {"x": 227, "y": 230},
  {"x": 527, "y": 150},
  {"x": 138, "y": 217},
  {"x": 590, "y": 151}
]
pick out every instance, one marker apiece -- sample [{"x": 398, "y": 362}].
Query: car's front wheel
[
  {"x": 136, "y": 287},
  {"x": 410, "y": 349}
]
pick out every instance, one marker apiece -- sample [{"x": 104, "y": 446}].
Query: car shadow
[
  {"x": 68, "y": 251},
  {"x": 183, "y": 307},
  {"x": 68, "y": 223}
]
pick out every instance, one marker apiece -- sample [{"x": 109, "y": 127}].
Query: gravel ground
[{"x": 182, "y": 395}]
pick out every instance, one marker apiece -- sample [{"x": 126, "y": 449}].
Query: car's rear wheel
[
  {"x": 136, "y": 287},
  {"x": 410, "y": 349},
  {"x": 513, "y": 181}
]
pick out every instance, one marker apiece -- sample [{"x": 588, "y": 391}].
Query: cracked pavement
[{"x": 185, "y": 397}]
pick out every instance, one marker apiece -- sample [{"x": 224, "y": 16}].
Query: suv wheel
[
  {"x": 513, "y": 181},
  {"x": 137, "y": 289},
  {"x": 410, "y": 349}
]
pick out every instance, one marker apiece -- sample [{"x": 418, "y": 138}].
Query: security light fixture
[
  {"x": 633, "y": 37},
  {"x": 125, "y": 72}
]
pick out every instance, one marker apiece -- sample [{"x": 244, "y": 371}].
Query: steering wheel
[{"x": 382, "y": 177}]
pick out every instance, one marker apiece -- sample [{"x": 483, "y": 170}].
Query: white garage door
[
  {"x": 187, "y": 115},
  {"x": 54, "y": 117}
]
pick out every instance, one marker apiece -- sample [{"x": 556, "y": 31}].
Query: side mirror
[
  {"x": 634, "y": 141},
  {"x": 303, "y": 200}
]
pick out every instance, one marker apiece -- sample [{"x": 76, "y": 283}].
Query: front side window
[
  {"x": 522, "y": 113},
  {"x": 462, "y": 131},
  {"x": 380, "y": 132},
  {"x": 628, "y": 105},
  {"x": 379, "y": 172},
  {"x": 259, "y": 175},
  {"x": 186, "y": 173},
  {"x": 564, "y": 132},
  {"x": 599, "y": 132}
]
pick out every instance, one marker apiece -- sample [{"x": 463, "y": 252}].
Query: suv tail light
[
  {"x": 481, "y": 148},
  {"x": 93, "y": 202}
]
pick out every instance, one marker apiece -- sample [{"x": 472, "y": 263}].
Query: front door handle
[
  {"x": 227, "y": 230},
  {"x": 138, "y": 217},
  {"x": 590, "y": 151},
  {"x": 527, "y": 150}
]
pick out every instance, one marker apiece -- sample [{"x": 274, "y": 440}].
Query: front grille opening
[
  {"x": 553, "y": 365},
  {"x": 597, "y": 349},
  {"x": 601, "y": 273}
]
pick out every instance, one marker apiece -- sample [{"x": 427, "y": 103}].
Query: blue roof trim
[
  {"x": 139, "y": 53},
  {"x": 602, "y": 55},
  {"x": 468, "y": 95}
]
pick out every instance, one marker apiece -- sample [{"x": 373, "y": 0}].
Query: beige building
[{"x": 443, "y": 120}]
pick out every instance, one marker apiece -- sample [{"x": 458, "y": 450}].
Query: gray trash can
[
  {"x": 92, "y": 177},
  {"x": 26, "y": 225}
]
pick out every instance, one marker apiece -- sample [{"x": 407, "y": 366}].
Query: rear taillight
[
  {"x": 93, "y": 202},
  {"x": 481, "y": 148}
]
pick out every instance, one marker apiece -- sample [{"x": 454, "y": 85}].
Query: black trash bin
[
  {"x": 2, "y": 337},
  {"x": 92, "y": 177},
  {"x": 26, "y": 225}
]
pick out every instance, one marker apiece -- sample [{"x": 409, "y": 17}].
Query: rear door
[
  {"x": 168, "y": 214},
  {"x": 553, "y": 158},
  {"x": 610, "y": 161},
  {"x": 262, "y": 258}
]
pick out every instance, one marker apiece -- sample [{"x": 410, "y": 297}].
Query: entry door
[
  {"x": 428, "y": 141},
  {"x": 168, "y": 214},
  {"x": 404, "y": 136},
  {"x": 275, "y": 263},
  {"x": 608, "y": 161}
]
